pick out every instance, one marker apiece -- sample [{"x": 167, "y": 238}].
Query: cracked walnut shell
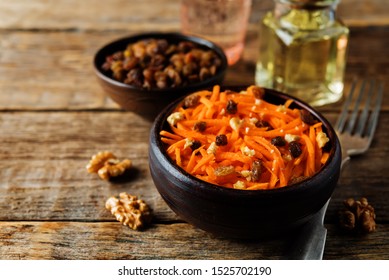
[{"x": 129, "y": 210}]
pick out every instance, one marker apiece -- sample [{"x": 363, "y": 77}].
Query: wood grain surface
[{"x": 54, "y": 117}]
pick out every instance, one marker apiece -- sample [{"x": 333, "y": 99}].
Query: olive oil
[{"x": 303, "y": 51}]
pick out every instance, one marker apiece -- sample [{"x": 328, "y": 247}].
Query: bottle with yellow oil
[{"x": 303, "y": 48}]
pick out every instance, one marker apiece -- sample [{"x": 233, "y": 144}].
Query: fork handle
[
  {"x": 344, "y": 161},
  {"x": 311, "y": 238}
]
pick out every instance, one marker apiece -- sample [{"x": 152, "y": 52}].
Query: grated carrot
[
  {"x": 248, "y": 159},
  {"x": 178, "y": 157}
]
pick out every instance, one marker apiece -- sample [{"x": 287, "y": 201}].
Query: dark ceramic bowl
[
  {"x": 151, "y": 102},
  {"x": 242, "y": 213}
]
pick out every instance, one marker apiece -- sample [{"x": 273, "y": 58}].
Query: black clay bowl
[
  {"x": 242, "y": 213},
  {"x": 149, "y": 102}
]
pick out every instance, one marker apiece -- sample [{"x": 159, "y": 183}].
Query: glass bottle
[{"x": 303, "y": 50}]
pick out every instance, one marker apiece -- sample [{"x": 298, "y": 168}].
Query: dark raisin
[
  {"x": 195, "y": 145},
  {"x": 148, "y": 75},
  {"x": 185, "y": 46},
  {"x": 307, "y": 117},
  {"x": 200, "y": 126},
  {"x": 256, "y": 170},
  {"x": 189, "y": 69},
  {"x": 130, "y": 63},
  {"x": 118, "y": 55},
  {"x": 327, "y": 147},
  {"x": 204, "y": 73},
  {"x": 262, "y": 123},
  {"x": 295, "y": 149},
  {"x": 232, "y": 107},
  {"x": 174, "y": 76},
  {"x": 189, "y": 58},
  {"x": 206, "y": 59},
  {"x": 157, "y": 61},
  {"x": 107, "y": 65},
  {"x": 278, "y": 141},
  {"x": 221, "y": 140},
  {"x": 162, "y": 45},
  {"x": 193, "y": 78},
  {"x": 135, "y": 77}
]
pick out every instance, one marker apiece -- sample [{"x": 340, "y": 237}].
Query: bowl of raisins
[
  {"x": 145, "y": 72},
  {"x": 243, "y": 169}
]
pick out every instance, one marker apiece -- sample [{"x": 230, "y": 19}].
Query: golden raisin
[
  {"x": 191, "y": 101},
  {"x": 256, "y": 170},
  {"x": 257, "y": 91},
  {"x": 224, "y": 170}
]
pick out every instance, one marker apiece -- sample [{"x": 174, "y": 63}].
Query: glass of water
[{"x": 223, "y": 22}]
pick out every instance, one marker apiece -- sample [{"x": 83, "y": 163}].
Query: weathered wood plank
[
  {"x": 364, "y": 13},
  {"x": 52, "y": 240},
  {"x": 39, "y": 72},
  {"x": 90, "y": 14},
  {"x": 63, "y": 240},
  {"x": 345, "y": 246},
  {"x": 43, "y": 157},
  {"x": 85, "y": 201},
  {"x": 137, "y": 15},
  {"x": 54, "y": 116}
]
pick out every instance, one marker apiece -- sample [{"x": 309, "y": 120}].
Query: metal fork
[{"x": 355, "y": 128}]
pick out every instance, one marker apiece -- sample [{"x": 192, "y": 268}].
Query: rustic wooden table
[{"x": 54, "y": 116}]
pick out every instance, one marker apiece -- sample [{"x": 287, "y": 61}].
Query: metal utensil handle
[{"x": 311, "y": 238}]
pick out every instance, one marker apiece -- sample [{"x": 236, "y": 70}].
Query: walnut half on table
[
  {"x": 357, "y": 215},
  {"x": 129, "y": 210},
  {"x": 106, "y": 165}
]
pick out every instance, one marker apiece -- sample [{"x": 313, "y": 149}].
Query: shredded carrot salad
[{"x": 239, "y": 140}]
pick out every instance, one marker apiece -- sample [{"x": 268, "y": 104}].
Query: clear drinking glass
[{"x": 223, "y": 22}]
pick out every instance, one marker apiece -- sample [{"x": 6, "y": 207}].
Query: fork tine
[
  {"x": 341, "y": 121},
  {"x": 373, "y": 120},
  {"x": 365, "y": 113},
  {"x": 354, "y": 114}
]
